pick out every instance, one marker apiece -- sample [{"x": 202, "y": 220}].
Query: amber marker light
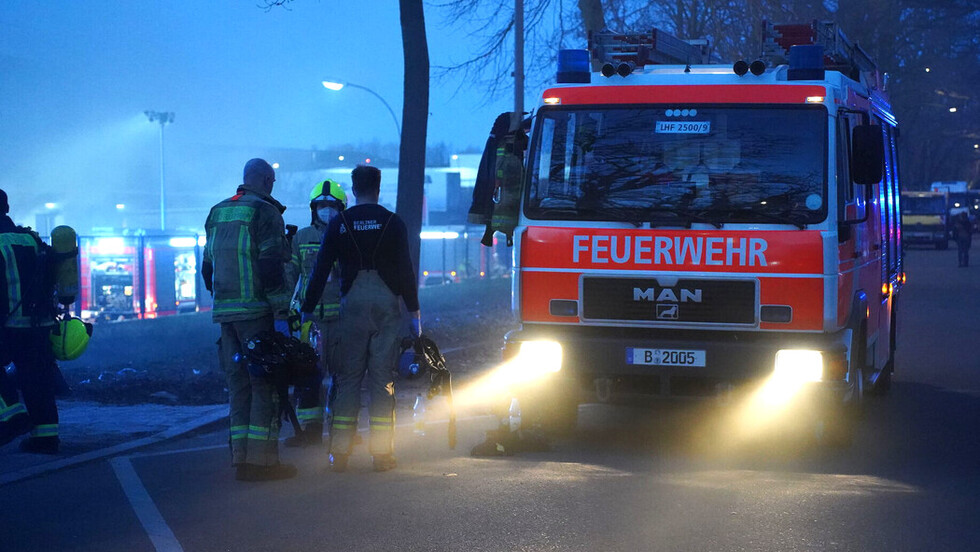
[{"x": 553, "y": 100}]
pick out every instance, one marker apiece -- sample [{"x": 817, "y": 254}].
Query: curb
[{"x": 212, "y": 416}]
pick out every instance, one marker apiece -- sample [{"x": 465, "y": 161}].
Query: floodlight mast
[{"x": 164, "y": 118}]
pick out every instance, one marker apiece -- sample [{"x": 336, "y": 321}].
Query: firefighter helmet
[
  {"x": 69, "y": 338},
  {"x": 310, "y": 334},
  {"x": 329, "y": 191}
]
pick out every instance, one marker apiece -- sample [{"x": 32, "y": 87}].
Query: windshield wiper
[
  {"x": 572, "y": 213},
  {"x": 685, "y": 218},
  {"x": 612, "y": 215},
  {"x": 769, "y": 217}
]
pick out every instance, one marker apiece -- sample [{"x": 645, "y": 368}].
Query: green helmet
[
  {"x": 69, "y": 338},
  {"x": 328, "y": 191}
]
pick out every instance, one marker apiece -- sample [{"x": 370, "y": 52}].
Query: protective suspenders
[{"x": 374, "y": 256}]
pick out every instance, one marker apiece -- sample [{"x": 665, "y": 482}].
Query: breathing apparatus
[
  {"x": 428, "y": 359},
  {"x": 284, "y": 359}
]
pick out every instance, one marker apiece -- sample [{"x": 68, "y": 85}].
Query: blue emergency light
[
  {"x": 806, "y": 62},
  {"x": 573, "y": 66}
]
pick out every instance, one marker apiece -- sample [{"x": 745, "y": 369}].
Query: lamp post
[
  {"x": 338, "y": 85},
  {"x": 164, "y": 118}
]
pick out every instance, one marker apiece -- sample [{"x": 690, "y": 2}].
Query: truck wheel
[
  {"x": 942, "y": 245},
  {"x": 553, "y": 407},
  {"x": 883, "y": 383},
  {"x": 835, "y": 429}
]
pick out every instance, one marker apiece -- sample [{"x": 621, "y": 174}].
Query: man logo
[
  {"x": 667, "y": 312},
  {"x": 667, "y": 295}
]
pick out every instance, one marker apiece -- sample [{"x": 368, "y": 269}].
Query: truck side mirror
[{"x": 867, "y": 154}]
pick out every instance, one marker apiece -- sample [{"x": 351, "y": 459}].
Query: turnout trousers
[
  {"x": 36, "y": 376},
  {"x": 310, "y": 398},
  {"x": 370, "y": 320},
  {"x": 254, "y": 403}
]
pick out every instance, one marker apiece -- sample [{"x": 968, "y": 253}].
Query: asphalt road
[{"x": 674, "y": 477}]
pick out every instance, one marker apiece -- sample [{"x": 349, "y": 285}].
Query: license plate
[{"x": 665, "y": 357}]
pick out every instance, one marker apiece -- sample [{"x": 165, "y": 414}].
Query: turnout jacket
[
  {"x": 365, "y": 237},
  {"x": 26, "y": 278},
  {"x": 244, "y": 257},
  {"x": 306, "y": 245}
]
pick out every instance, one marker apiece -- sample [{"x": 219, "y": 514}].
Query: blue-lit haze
[{"x": 75, "y": 78}]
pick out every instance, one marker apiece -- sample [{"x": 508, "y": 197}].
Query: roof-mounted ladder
[
  {"x": 839, "y": 53},
  {"x": 636, "y": 50}
]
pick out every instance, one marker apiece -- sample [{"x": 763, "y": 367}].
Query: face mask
[{"x": 326, "y": 213}]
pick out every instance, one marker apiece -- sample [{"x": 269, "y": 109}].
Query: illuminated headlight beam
[
  {"x": 534, "y": 361},
  {"x": 793, "y": 369}
]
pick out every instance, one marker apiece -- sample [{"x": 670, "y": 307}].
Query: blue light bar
[
  {"x": 573, "y": 66},
  {"x": 805, "y": 62}
]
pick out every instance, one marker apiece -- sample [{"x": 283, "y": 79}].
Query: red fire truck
[
  {"x": 139, "y": 276},
  {"x": 687, "y": 226}
]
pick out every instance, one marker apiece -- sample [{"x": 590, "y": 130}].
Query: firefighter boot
[
  {"x": 384, "y": 462},
  {"x": 13, "y": 428},
  {"x": 338, "y": 462},
  {"x": 254, "y": 472},
  {"x": 312, "y": 435},
  {"x": 40, "y": 445}
]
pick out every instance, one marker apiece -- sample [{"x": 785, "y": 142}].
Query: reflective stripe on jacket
[
  {"x": 306, "y": 244},
  {"x": 27, "y": 287},
  {"x": 246, "y": 232}
]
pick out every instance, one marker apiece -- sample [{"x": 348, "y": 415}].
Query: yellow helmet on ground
[
  {"x": 329, "y": 191},
  {"x": 69, "y": 338},
  {"x": 310, "y": 334}
]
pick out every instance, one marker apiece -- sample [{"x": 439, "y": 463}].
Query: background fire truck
[
  {"x": 139, "y": 276},
  {"x": 685, "y": 227}
]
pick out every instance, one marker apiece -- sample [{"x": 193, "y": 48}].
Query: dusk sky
[{"x": 75, "y": 78}]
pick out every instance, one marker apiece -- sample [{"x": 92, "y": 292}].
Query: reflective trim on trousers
[
  {"x": 11, "y": 411},
  {"x": 45, "y": 430},
  {"x": 344, "y": 422},
  {"x": 258, "y": 432},
  {"x": 381, "y": 422},
  {"x": 309, "y": 414},
  {"x": 239, "y": 432}
]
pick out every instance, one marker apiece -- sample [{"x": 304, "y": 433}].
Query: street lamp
[
  {"x": 336, "y": 85},
  {"x": 164, "y": 118}
]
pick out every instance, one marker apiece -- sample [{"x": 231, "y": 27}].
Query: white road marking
[
  {"x": 156, "y": 527},
  {"x": 360, "y": 430}
]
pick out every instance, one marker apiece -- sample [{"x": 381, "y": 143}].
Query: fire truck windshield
[{"x": 676, "y": 165}]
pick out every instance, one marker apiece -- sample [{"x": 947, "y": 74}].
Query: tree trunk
[
  {"x": 415, "y": 113},
  {"x": 592, "y": 15}
]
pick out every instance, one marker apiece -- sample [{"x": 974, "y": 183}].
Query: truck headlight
[
  {"x": 798, "y": 365},
  {"x": 540, "y": 356},
  {"x": 794, "y": 368}
]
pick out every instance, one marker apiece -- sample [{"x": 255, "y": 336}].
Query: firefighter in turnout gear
[
  {"x": 371, "y": 245},
  {"x": 27, "y": 316},
  {"x": 243, "y": 268},
  {"x": 327, "y": 200},
  {"x": 507, "y": 193}
]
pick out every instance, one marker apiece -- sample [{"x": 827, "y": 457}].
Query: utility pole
[{"x": 518, "y": 65}]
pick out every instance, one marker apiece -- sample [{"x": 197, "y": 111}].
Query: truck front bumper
[{"x": 618, "y": 359}]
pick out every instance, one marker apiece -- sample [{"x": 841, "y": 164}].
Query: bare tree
[
  {"x": 415, "y": 112},
  {"x": 415, "y": 117}
]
